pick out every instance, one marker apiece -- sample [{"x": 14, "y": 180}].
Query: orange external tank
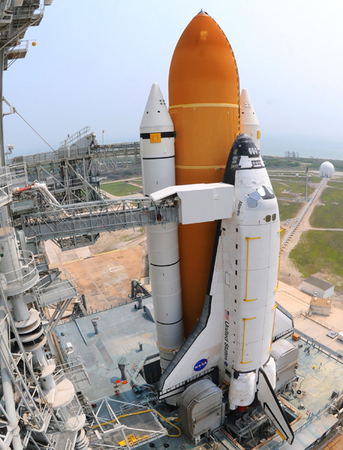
[{"x": 204, "y": 107}]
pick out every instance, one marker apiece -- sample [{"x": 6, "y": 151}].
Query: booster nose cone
[
  {"x": 157, "y": 144},
  {"x": 249, "y": 121},
  {"x": 156, "y": 116}
]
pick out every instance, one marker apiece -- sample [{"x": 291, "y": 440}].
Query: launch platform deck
[
  {"x": 126, "y": 331},
  {"x": 121, "y": 331}
]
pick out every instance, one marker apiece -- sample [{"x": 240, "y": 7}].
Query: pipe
[
  {"x": 136, "y": 373},
  {"x": 20, "y": 311},
  {"x": 60, "y": 314},
  {"x": 5, "y": 444},
  {"x": 23, "y": 189},
  {"x": 22, "y": 349},
  {"x": 42, "y": 187},
  {"x": 39, "y": 187},
  {"x": 5, "y": 210},
  {"x": 7, "y": 386}
]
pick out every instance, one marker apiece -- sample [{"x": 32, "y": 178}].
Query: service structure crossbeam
[
  {"x": 95, "y": 217},
  {"x": 73, "y": 173},
  {"x": 99, "y": 151}
]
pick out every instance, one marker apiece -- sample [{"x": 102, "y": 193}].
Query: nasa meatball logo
[{"x": 200, "y": 365}]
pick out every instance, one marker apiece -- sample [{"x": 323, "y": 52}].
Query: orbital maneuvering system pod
[{"x": 233, "y": 335}]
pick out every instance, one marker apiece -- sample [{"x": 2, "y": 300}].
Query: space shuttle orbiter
[
  {"x": 232, "y": 338},
  {"x": 235, "y": 330},
  {"x": 234, "y": 333}
]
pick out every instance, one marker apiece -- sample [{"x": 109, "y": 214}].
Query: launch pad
[
  {"x": 215, "y": 368},
  {"x": 310, "y": 400}
]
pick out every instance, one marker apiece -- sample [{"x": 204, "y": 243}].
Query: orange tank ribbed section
[{"x": 204, "y": 107}]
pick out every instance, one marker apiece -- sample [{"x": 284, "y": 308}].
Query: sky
[{"x": 95, "y": 61}]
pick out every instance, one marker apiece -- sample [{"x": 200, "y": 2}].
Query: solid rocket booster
[
  {"x": 158, "y": 171},
  {"x": 204, "y": 107},
  {"x": 249, "y": 122}
]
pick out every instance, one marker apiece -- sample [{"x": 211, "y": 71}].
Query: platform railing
[
  {"x": 24, "y": 277},
  {"x": 91, "y": 218},
  {"x": 75, "y": 137}
]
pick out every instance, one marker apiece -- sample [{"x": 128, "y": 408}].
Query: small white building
[{"x": 316, "y": 287}]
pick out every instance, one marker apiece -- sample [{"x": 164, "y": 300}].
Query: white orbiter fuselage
[
  {"x": 235, "y": 330},
  {"x": 250, "y": 262}
]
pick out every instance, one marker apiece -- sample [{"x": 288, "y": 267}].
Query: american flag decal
[{"x": 227, "y": 315}]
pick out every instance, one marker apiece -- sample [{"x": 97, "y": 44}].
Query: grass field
[
  {"x": 336, "y": 183},
  {"x": 313, "y": 179},
  {"x": 137, "y": 181},
  {"x": 279, "y": 189},
  {"x": 330, "y": 215},
  {"x": 320, "y": 251},
  {"x": 291, "y": 177},
  {"x": 120, "y": 188},
  {"x": 289, "y": 210},
  {"x": 298, "y": 164},
  {"x": 284, "y": 187},
  {"x": 289, "y": 188}
]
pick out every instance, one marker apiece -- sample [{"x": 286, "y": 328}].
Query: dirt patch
[
  {"x": 288, "y": 272},
  {"x": 103, "y": 272},
  {"x": 105, "y": 280}
]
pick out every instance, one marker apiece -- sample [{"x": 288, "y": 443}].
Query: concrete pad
[
  {"x": 121, "y": 330},
  {"x": 292, "y": 299},
  {"x": 314, "y": 326}
]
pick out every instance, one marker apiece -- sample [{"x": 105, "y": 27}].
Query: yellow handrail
[
  {"x": 245, "y": 321},
  {"x": 278, "y": 272},
  {"x": 141, "y": 412}
]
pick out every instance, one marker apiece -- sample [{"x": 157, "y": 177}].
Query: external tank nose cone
[{"x": 203, "y": 66}]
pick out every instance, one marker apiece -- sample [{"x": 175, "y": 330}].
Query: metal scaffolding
[
  {"x": 72, "y": 173},
  {"x": 73, "y": 226}
]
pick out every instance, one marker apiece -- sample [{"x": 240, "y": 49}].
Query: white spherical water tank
[{"x": 326, "y": 170}]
